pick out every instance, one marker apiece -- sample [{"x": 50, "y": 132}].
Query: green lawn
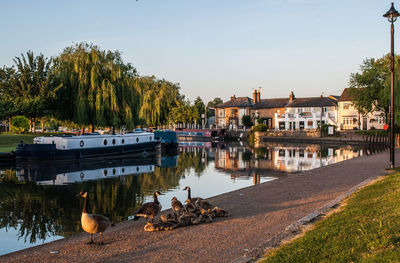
[
  {"x": 8, "y": 142},
  {"x": 367, "y": 229}
]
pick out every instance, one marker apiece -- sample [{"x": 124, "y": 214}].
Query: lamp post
[{"x": 391, "y": 15}]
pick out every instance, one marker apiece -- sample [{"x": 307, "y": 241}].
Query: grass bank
[
  {"x": 8, "y": 142},
  {"x": 366, "y": 229}
]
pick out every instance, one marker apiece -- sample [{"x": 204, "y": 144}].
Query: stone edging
[{"x": 292, "y": 229}]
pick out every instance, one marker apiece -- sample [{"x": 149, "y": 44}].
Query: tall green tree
[
  {"x": 370, "y": 87},
  {"x": 158, "y": 97},
  {"x": 97, "y": 88},
  {"x": 200, "y": 106},
  {"x": 29, "y": 89}
]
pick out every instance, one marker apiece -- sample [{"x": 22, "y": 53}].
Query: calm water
[{"x": 38, "y": 202}]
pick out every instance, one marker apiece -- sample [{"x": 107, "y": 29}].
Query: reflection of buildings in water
[
  {"x": 84, "y": 175},
  {"x": 283, "y": 158},
  {"x": 293, "y": 159}
]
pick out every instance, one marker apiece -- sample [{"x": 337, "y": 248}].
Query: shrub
[
  {"x": 247, "y": 121},
  {"x": 20, "y": 124},
  {"x": 260, "y": 128},
  {"x": 259, "y": 121}
]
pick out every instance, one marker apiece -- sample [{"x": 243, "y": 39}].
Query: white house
[
  {"x": 307, "y": 113},
  {"x": 350, "y": 119}
]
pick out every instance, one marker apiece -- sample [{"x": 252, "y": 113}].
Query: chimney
[
  {"x": 291, "y": 96},
  {"x": 233, "y": 98},
  {"x": 259, "y": 96},
  {"x": 255, "y": 96}
]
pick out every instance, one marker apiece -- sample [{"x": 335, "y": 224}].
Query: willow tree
[
  {"x": 98, "y": 89},
  {"x": 158, "y": 97}
]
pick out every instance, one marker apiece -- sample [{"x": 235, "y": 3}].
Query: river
[{"x": 38, "y": 202}]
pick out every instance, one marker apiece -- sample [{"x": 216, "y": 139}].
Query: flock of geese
[{"x": 196, "y": 210}]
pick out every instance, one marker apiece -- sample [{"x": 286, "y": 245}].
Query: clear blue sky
[{"x": 213, "y": 48}]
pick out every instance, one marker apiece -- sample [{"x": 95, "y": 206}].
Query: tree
[
  {"x": 29, "y": 89},
  {"x": 370, "y": 88},
  {"x": 246, "y": 120},
  {"x": 183, "y": 113},
  {"x": 200, "y": 106},
  {"x": 158, "y": 97},
  {"x": 97, "y": 88},
  {"x": 214, "y": 102}
]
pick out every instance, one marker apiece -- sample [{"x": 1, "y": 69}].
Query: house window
[
  {"x": 301, "y": 125},
  {"x": 346, "y": 106},
  {"x": 348, "y": 120},
  {"x": 309, "y": 123},
  {"x": 281, "y": 125}
]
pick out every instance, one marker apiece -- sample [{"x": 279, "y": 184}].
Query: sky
[{"x": 212, "y": 48}]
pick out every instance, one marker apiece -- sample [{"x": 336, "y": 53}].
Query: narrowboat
[{"x": 88, "y": 146}]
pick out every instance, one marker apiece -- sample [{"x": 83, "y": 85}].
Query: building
[
  {"x": 230, "y": 113},
  {"x": 350, "y": 119},
  {"x": 306, "y": 113},
  {"x": 267, "y": 109}
]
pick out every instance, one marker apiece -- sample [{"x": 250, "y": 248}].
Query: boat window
[
  {"x": 105, "y": 142},
  {"x": 52, "y": 142},
  {"x": 137, "y": 139},
  {"x": 82, "y": 143},
  {"x": 123, "y": 170},
  {"x": 114, "y": 171},
  {"x": 123, "y": 141},
  {"x": 150, "y": 138},
  {"x": 105, "y": 172},
  {"x": 137, "y": 168},
  {"x": 113, "y": 141}
]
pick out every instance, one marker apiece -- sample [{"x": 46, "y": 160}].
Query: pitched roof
[
  {"x": 272, "y": 103},
  {"x": 313, "y": 102},
  {"x": 237, "y": 102},
  {"x": 346, "y": 96}
]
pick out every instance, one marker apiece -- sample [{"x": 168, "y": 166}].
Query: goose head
[
  {"x": 157, "y": 193},
  {"x": 174, "y": 199},
  {"x": 83, "y": 194},
  {"x": 186, "y": 188}
]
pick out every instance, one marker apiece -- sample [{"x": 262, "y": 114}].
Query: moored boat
[{"x": 88, "y": 146}]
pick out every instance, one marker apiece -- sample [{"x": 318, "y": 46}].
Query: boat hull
[{"x": 49, "y": 151}]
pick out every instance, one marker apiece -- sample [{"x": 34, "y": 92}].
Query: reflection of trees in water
[{"x": 40, "y": 211}]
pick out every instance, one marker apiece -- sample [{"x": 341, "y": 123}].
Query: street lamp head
[{"x": 392, "y": 14}]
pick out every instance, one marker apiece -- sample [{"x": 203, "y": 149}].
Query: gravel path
[{"x": 259, "y": 215}]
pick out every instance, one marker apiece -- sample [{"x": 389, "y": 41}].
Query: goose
[
  {"x": 202, "y": 204},
  {"x": 205, "y": 216},
  {"x": 176, "y": 206},
  {"x": 191, "y": 200},
  {"x": 150, "y": 209},
  {"x": 93, "y": 223},
  {"x": 216, "y": 211}
]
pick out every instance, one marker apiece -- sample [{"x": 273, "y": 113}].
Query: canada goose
[
  {"x": 204, "y": 216},
  {"x": 176, "y": 205},
  {"x": 219, "y": 212},
  {"x": 189, "y": 207},
  {"x": 171, "y": 218},
  {"x": 150, "y": 209},
  {"x": 93, "y": 223},
  {"x": 191, "y": 200},
  {"x": 187, "y": 219},
  {"x": 202, "y": 204}
]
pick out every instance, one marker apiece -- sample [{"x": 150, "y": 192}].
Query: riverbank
[
  {"x": 259, "y": 217},
  {"x": 366, "y": 227}
]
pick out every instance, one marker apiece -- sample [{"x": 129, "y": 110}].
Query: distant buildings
[{"x": 293, "y": 113}]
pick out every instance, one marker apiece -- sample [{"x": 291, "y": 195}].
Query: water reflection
[
  {"x": 38, "y": 203},
  {"x": 281, "y": 157}
]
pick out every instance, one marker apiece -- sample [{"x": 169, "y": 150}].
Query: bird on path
[
  {"x": 93, "y": 223},
  {"x": 150, "y": 209}
]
